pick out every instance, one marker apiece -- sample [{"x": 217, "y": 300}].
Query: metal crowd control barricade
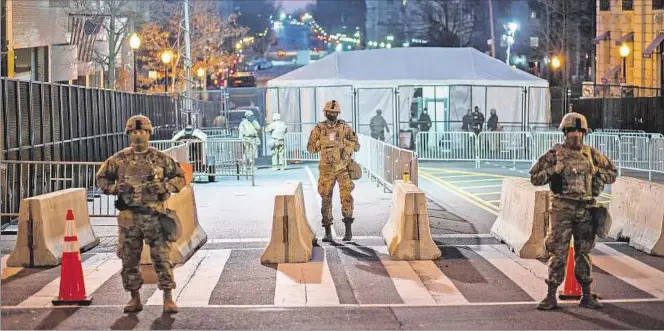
[
  {"x": 502, "y": 146},
  {"x": 541, "y": 142},
  {"x": 25, "y": 179},
  {"x": 296, "y": 147},
  {"x": 384, "y": 162},
  {"x": 446, "y": 146},
  {"x": 220, "y": 157}
]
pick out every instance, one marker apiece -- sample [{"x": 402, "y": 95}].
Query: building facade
[{"x": 639, "y": 26}]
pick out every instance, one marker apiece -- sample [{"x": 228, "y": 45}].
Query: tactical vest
[
  {"x": 138, "y": 170},
  {"x": 332, "y": 142},
  {"x": 577, "y": 172}
]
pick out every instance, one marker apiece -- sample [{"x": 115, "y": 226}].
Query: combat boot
[
  {"x": 134, "y": 305},
  {"x": 349, "y": 233},
  {"x": 589, "y": 300},
  {"x": 169, "y": 304},
  {"x": 550, "y": 301},
  {"x": 328, "y": 234}
]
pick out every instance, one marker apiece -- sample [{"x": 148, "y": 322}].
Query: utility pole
[{"x": 493, "y": 36}]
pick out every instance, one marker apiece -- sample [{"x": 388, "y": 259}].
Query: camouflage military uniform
[
  {"x": 278, "y": 130},
  {"x": 248, "y": 131},
  {"x": 336, "y": 141},
  {"x": 142, "y": 181},
  {"x": 577, "y": 175}
]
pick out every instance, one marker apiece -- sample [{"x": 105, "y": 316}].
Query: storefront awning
[
  {"x": 625, "y": 38},
  {"x": 653, "y": 45},
  {"x": 612, "y": 72},
  {"x": 602, "y": 36}
]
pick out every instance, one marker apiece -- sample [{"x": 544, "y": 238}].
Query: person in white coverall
[
  {"x": 248, "y": 131},
  {"x": 278, "y": 129}
]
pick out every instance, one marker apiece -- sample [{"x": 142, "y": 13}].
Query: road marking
[
  {"x": 493, "y": 201},
  {"x": 199, "y": 288},
  {"x": 630, "y": 270},
  {"x": 469, "y": 172},
  {"x": 480, "y": 203},
  {"x": 478, "y": 186},
  {"x": 8, "y": 271},
  {"x": 407, "y": 283},
  {"x": 487, "y": 193},
  {"x": 440, "y": 287},
  {"x": 306, "y": 284},
  {"x": 527, "y": 274},
  {"x": 319, "y": 199},
  {"x": 371, "y": 305},
  {"x": 262, "y": 240},
  {"x": 182, "y": 275},
  {"x": 472, "y": 180},
  {"x": 96, "y": 271}
]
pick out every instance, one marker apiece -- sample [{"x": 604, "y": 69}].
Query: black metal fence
[
  {"x": 53, "y": 122},
  {"x": 611, "y": 107}
]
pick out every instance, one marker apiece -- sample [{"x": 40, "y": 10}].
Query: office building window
[
  {"x": 627, "y": 4},
  {"x": 604, "y": 5},
  {"x": 657, "y": 4}
]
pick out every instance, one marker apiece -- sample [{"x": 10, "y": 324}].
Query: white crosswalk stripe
[
  {"x": 305, "y": 284},
  {"x": 417, "y": 283}
]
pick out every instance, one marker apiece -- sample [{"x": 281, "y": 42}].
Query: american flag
[{"x": 84, "y": 32}]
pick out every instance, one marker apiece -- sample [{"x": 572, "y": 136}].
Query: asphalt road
[{"x": 477, "y": 284}]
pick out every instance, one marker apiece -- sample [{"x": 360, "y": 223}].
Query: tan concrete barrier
[
  {"x": 637, "y": 211},
  {"x": 624, "y": 204},
  {"x": 407, "y": 232},
  {"x": 41, "y": 228},
  {"x": 522, "y": 222},
  {"x": 292, "y": 237},
  {"x": 191, "y": 235}
]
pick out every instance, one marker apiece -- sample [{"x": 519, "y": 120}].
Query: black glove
[
  {"x": 121, "y": 205},
  {"x": 556, "y": 183}
]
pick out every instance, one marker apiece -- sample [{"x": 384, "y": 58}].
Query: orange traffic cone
[
  {"x": 72, "y": 284},
  {"x": 572, "y": 288}
]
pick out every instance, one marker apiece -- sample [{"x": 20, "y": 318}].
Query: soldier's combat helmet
[
  {"x": 574, "y": 121},
  {"x": 138, "y": 122},
  {"x": 332, "y": 107}
]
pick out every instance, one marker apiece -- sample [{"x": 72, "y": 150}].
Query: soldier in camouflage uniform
[
  {"x": 576, "y": 174},
  {"x": 143, "y": 178},
  {"x": 336, "y": 141},
  {"x": 248, "y": 131}
]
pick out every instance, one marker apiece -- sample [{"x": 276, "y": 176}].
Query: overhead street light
[
  {"x": 624, "y": 53},
  {"x": 135, "y": 43}
]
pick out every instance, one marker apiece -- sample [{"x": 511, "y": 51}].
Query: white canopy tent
[{"x": 447, "y": 81}]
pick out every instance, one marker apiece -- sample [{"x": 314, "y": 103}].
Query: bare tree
[
  {"x": 566, "y": 26},
  {"x": 210, "y": 37},
  {"x": 450, "y": 23},
  {"x": 114, "y": 19}
]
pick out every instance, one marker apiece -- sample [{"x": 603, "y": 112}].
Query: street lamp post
[
  {"x": 624, "y": 53},
  {"x": 203, "y": 77},
  {"x": 135, "y": 43},
  {"x": 510, "y": 29},
  {"x": 166, "y": 59}
]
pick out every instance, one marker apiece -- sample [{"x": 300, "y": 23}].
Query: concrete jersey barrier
[
  {"x": 292, "y": 238},
  {"x": 42, "y": 227},
  {"x": 407, "y": 232},
  {"x": 523, "y": 222},
  {"x": 637, "y": 212},
  {"x": 191, "y": 235}
]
